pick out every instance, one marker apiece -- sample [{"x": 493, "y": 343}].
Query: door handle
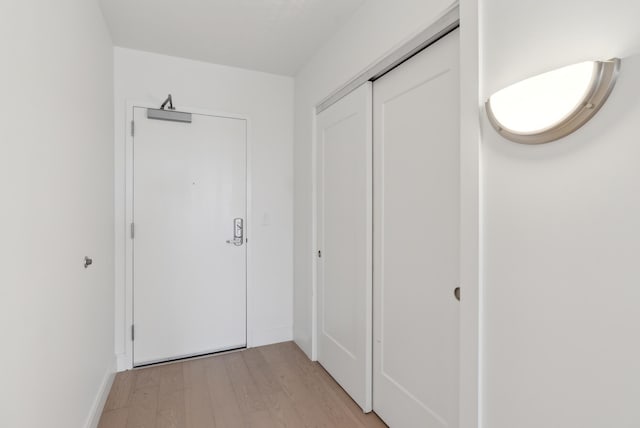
[
  {"x": 235, "y": 241},
  {"x": 456, "y": 293},
  {"x": 238, "y": 232}
]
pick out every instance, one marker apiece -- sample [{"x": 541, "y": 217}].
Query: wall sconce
[{"x": 552, "y": 105}]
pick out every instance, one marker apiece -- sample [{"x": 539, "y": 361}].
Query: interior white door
[
  {"x": 189, "y": 284},
  {"x": 416, "y": 239},
  {"x": 344, "y": 233}
]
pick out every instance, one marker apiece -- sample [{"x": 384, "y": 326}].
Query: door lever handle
[{"x": 235, "y": 241}]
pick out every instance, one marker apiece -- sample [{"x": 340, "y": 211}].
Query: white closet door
[
  {"x": 344, "y": 230},
  {"x": 189, "y": 184},
  {"x": 416, "y": 239}
]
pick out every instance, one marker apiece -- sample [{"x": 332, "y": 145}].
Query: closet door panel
[
  {"x": 344, "y": 233},
  {"x": 416, "y": 239}
]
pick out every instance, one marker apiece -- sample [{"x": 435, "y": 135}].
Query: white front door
[
  {"x": 416, "y": 239},
  {"x": 189, "y": 198},
  {"x": 344, "y": 233}
]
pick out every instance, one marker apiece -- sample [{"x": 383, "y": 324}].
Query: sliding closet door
[
  {"x": 344, "y": 231},
  {"x": 416, "y": 239}
]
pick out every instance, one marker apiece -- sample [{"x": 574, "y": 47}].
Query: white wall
[
  {"x": 267, "y": 100},
  {"x": 56, "y": 182},
  {"x": 562, "y": 230},
  {"x": 528, "y": 37},
  {"x": 375, "y": 29}
]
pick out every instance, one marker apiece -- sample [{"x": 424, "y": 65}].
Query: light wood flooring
[{"x": 270, "y": 386}]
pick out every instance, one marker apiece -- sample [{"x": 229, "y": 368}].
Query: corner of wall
[{"x": 272, "y": 335}]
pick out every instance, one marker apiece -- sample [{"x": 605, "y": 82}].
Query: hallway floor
[{"x": 270, "y": 386}]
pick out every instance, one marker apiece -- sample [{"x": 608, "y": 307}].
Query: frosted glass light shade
[
  {"x": 552, "y": 105},
  {"x": 542, "y": 101}
]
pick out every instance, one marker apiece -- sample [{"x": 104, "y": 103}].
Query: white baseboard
[
  {"x": 101, "y": 398},
  {"x": 271, "y": 335}
]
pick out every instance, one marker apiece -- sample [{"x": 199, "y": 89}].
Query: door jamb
[{"x": 128, "y": 255}]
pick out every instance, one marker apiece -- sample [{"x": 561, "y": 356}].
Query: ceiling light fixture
[{"x": 552, "y": 105}]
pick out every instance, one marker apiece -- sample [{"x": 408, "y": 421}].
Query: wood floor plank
[
  {"x": 302, "y": 398},
  {"x": 121, "y": 390},
  {"x": 143, "y": 408},
  {"x": 198, "y": 411},
  {"x": 260, "y": 419},
  {"x": 261, "y": 372},
  {"x": 267, "y": 387},
  {"x": 279, "y": 405},
  {"x": 171, "y": 411},
  {"x": 247, "y": 394},
  {"x": 147, "y": 377},
  {"x": 226, "y": 411},
  {"x": 334, "y": 408},
  {"x": 170, "y": 379},
  {"x": 116, "y": 418},
  {"x": 367, "y": 419}
]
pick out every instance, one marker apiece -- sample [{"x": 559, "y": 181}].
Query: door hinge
[
  {"x": 133, "y": 230},
  {"x": 133, "y": 333},
  {"x": 133, "y": 128},
  {"x": 319, "y": 254}
]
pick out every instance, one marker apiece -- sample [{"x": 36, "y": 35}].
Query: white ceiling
[{"x": 275, "y": 36}]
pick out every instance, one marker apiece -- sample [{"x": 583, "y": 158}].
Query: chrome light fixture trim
[{"x": 604, "y": 76}]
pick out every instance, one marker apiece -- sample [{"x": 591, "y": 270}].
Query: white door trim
[
  {"x": 448, "y": 21},
  {"x": 470, "y": 382},
  {"x": 125, "y": 362}
]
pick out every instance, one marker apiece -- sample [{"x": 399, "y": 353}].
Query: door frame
[
  {"x": 128, "y": 256},
  {"x": 464, "y": 14}
]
